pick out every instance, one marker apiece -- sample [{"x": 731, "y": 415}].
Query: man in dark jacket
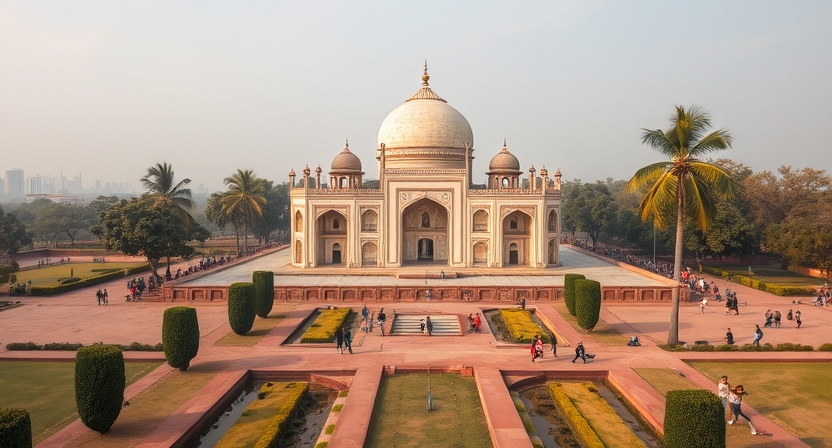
[{"x": 580, "y": 352}]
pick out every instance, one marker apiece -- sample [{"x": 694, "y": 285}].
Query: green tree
[
  {"x": 13, "y": 236},
  {"x": 99, "y": 385},
  {"x": 160, "y": 184},
  {"x": 180, "y": 336},
  {"x": 275, "y": 212},
  {"x": 589, "y": 208},
  {"x": 804, "y": 238},
  {"x": 244, "y": 200},
  {"x": 149, "y": 228},
  {"x": 241, "y": 307},
  {"x": 57, "y": 219},
  {"x": 684, "y": 184}
]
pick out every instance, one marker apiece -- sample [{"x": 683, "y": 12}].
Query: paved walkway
[{"x": 75, "y": 317}]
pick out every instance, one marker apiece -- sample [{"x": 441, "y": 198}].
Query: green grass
[
  {"x": 770, "y": 273},
  {"x": 603, "y": 419},
  {"x": 794, "y": 394},
  {"x": 50, "y": 276},
  {"x": 261, "y": 328},
  {"x": 401, "y": 419},
  {"x": 278, "y": 402},
  {"x": 603, "y": 332},
  {"x": 47, "y": 391},
  {"x": 663, "y": 380}
]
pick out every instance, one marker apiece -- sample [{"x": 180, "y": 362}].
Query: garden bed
[{"x": 502, "y": 332}]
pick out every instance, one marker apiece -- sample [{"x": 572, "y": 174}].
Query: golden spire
[
  {"x": 425, "y": 76},
  {"x": 348, "y": 143},
  {"x": 504, "y": 144}
]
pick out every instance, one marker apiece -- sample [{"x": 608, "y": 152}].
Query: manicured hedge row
[
  {"x": 278, "y": 423},
  {"x": 72, "y": 347},
  {"x": 776, "y": 289},
  {"x": 587, "y": 303},
  {"x": 241, "y": 311},
  {"x": 522, "y": 326},
  {"x": 580, "y": 427},
  {"x": 569, "y": 291},
  {"x": 767, "y": 347},
  {"x": 15, "y": 428},
  {"x": 694, "y": 419},
  {"x": 180, "y": 336},
  {"x": 99, "y": 385},
  {"x": 323, "y": 329},
  {"x": 263, "y": 292},
  {"x": 95, "y": 280}
]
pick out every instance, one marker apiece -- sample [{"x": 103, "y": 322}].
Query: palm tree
[
  {"x": 244, "y": 201},
  {"x": 159, "y": 184},
  {"x": 683, "y": 184}
]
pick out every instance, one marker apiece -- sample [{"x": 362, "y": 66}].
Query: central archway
[{"x": 424, "y": 232}]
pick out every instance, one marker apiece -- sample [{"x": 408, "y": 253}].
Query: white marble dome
[{"x": 425, "y": 121}]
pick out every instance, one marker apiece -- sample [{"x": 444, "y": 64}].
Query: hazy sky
[{"x": 109, "y": 88}]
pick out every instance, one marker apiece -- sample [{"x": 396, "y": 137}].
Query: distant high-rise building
[
  {"x": 15, "y": 185},
  {"x": 2, "y": 185},
  {"x": 34, "y": 185}
]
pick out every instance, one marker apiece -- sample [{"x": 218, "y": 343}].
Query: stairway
[{"x": 443, "y": 324}]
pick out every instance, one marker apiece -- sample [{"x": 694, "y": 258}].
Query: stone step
[{"x": 410, "y": 324}]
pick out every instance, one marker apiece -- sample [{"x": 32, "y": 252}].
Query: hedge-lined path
[{"x": 74, "y": 317}]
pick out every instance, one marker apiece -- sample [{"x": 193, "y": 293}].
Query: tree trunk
[
  {"x": 673, "y": 333},
  {"x": 245, "y": 238}
]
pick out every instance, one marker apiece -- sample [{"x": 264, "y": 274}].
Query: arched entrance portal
[
  {"x": 336, "y": 253},
  {"x": 513, "y": 254},
  {"x": 331, "y": 230},
  {"x": 517, "y": 227},
  {"x": 425, "y": 232}
]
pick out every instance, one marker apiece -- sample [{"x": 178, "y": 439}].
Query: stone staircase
[{"x": 443, "y": 324}]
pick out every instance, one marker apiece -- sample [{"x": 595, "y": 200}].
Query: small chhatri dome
[
  {"x": 306, "y": 171},
  {"x": 504, "y": 162},
  {"x": 346, "y": 161},
  {"x": 292, "y": 172},
  {"x": 318, "y": 169}
]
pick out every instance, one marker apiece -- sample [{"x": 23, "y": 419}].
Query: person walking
[
  {"x": 797, "y": 318},
  {"x": 789, "y": 316},
  {"x": 99, "y": 296},
  {"x": 555, "y": 346},
  {"x": 470, "y": 323},
  {"x": 758, "y": 334},
  {"x": 533, "y": 347},
  {"x": 723, "y": 390},
  {"x": 381, "y": 319},
  {"x": 477, "y": 323},
  {"x": 106, "y": 296},
  {"x": 428, "y": 325},
  {"x": 777, "y": 318},
  {"x": 735, "y": 398},
  {"x": 702, "y": 305},
  {"x": 339, "y": 340},
  {"x": 348, "y": 340},
  {"x": 580, "y": 352}
]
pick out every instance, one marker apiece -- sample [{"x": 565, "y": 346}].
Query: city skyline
[{"x": 108, "y": 90}]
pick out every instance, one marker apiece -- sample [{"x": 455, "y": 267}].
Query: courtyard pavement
[{"x": 75, "y": 317}]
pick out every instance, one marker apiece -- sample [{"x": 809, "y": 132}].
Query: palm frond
[
  {"x": 699, "y": 201},
  {"x": 717, "y": 140},
  {"x": 660, "y": 141},
  {"x": 719, "y": 182},
  {"x": 648, "y": 175}
]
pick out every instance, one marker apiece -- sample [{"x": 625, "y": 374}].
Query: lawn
[
  {"x": 261, "y": 328},
  {"x": 603, "y": 332},
  {"x": 47, "y": 391},
  {"x": 663, "y": 380},
  {"x": 401, "y": 419},
  {"x": 771, "y": 273},
  {"x": 610, "y": 428},
  {"x": 49, "y": 276},
  {"x": 796, "y": 395}
]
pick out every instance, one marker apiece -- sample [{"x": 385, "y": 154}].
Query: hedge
[
  {"x": 180, "y": 336},
  {"x": 263, "y": 292},
  {"x": 241, "y": 307},
  {"x": 15, "y": 428},
  {"x": 767, "y": 347},
  {"x": 522, "y": 326},
  {"x": 99, "y": 385},
  {"x": 323, "y": 329},
  {"x": 89, "y": 281},
  {"x": 776, "y": 289},
  {"x": 73, "y": 347},
  {"x": 693, "y": 419},
  {"x": 580, "y": 427},
  {"x": 569, "y": 291},
  {"x": 278, "y": 423},
  {"x": 827, "y": 347},
  {"x": 587, "y": 303}
]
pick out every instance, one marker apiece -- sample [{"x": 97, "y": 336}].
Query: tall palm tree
[
  {"x": 684, "y": 184},
  {"x": 159, "y": 182},
  {"x": 245, "y": 199}
]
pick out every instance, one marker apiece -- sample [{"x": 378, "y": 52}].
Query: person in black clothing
[
  {"x": 339, "y": 340},
  {"x": 580, "y": 352},
  {"x": 729, "y": 337},
  {"x": 381, "y": 318}
]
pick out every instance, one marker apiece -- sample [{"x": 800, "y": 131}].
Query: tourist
[
  {"x": 538, "y": 348},
  {"x": 797, "y": 318},
  {"x": 381, "y": 319},
  {"x": 769, "y": 319},
  {"x": 729, "y": 305},
  {"x": 789, "y": 316},
  {"x": 735, "y": 398},
  {"x": 339, "y": 340},
  {"x": 523, "y": 303},
  {"x": 348, "y": 340},
  {"x": 105, "y": 296},
  {"x": 758, "y": 334},
  {"x": 428, "y": 325},
  {"x": 99, "y": 296},
  {"x": 723, "y": 390},
  {"x": 729, "y": 337},
  {"x": 422, "y": 326},
  {"x": 470, "y": 323},
  {"x": 580, "y": 352},
  {"x": 427, "y": 295},
  {"x": 365, "y": 313},
  {"x": 477, "y": 322},
  {"x": 777, "y": 319},
  {"x": 702, "y": 305},
  {"x": 533, "y": 347},
  {"x": 555, "y": 346}
]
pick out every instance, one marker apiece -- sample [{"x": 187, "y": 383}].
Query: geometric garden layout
[{"x": 226, "y": 363}]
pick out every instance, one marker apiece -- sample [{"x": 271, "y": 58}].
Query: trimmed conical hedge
[
  {"x": 15, "y": 428},
  {"x": 263, "y": 292},
  {"x": 587, "y": 303},
  {"x": 241, "y": 307},
  {"x": 180, "y": 336},
  {"x": 99, "y": 385},
  {"x": 569, "y": 291},
  {"x": 694, "y": 419}
]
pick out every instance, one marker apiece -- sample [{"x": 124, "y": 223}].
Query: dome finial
[
  {"x": 504, "y": 144},
  {"x": 348, "y": 143},
  {"x": 425, "y": 76}
]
